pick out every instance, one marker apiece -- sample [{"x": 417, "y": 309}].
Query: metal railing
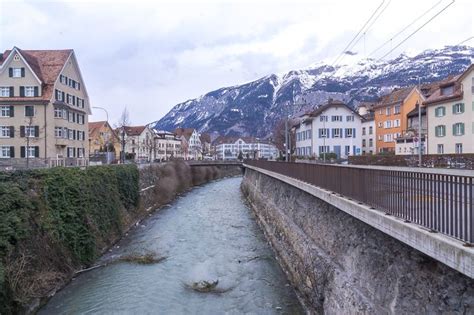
[{"x": 440, "y": 202}]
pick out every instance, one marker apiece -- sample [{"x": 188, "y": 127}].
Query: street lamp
[{"x": 107, "y": 144}]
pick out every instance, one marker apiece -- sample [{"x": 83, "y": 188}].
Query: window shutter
[
  {"x": 22, "y": 131},
  {"x": 12, "y": 111},
  {"x": 12, "y": 151},
  {"x": 462, "y": 128},
  {"x": 462, "y": 107},
  {"x": 37, "y": 151},
  {"x": 22, "y": 72},
  {"x": 78, "y": 86},
  {"x": 36, "y": 91},
  {"x": 22, "y": 91},
  {"x": 73, "y": 100},
  {"x": 12, "y": 91},
  {"x": 36, "y": 131},
  {"x": 353, "y": 133},
  {"x": 454, "y": 129},
  {"x": 454, "y": 108},
  {"x": 64, "y": 100},
  {"x": 22, "y": 151},
  {"x": 10, "y": 72},
  {"x": 12, "y": 132},
  {"x": 443, "y": 111}
]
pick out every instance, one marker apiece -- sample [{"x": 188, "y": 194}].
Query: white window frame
[
  {"x": 4, "y": 152},
  {"x": 30, "y": 152},
  {"x": 457, "y": 108},
  {"x": 5, "y": 132},
  {"x": 29, "y": 91},
  {"x": 30, "y": 131},
  {"x": 458, "y": 129},
  {"x": 440, "y": 148},
  {"x": 458, "y": 148},
  {"x": 337, "y": 133},
  {"x": 5, "y": 111},
  {"x": 4, "y": 91},
  {"x": 16, "y": 72},
  {"x": 349, "y": 133}
]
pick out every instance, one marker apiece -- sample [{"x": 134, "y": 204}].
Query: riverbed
[{"x": 208, "y": 234}]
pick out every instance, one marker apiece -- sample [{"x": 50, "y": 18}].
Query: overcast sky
[{"x": 152, "y": 55}]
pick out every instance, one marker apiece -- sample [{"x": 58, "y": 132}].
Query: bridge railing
[{"x": 441, "y": 202}]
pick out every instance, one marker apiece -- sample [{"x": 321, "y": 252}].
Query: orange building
[{"x": 391, "y": 116}]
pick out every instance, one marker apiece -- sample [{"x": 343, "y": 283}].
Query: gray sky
[{"x": 152, "y": 55}]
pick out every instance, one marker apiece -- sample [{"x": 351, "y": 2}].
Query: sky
[{"x": 148, "y": 56}]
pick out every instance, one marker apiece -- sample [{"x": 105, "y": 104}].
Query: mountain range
[{"x": 253, "y": 109}]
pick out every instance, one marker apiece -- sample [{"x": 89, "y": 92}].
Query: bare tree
[
  {"x": 278, "y": 134},
  {"x": 123, "y": 122}
]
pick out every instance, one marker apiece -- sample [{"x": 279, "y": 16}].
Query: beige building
[
  {"x": 190, "y": 143},
  {"x": 167, "y": 146},
  {"x": 44, "y": 109},
  {"x": 103, "y": 139},
  {"x": 450, "y": 113},
  {"x": 139, "y": 142}
]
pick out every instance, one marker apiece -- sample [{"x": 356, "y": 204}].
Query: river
[{"x": 207, "y": 234}]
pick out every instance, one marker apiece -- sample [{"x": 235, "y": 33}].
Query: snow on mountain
[{"x": 253, "y": 108}]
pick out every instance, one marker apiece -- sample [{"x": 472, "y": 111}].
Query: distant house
[
  {"x": 205, "y": 143},
  {"x": 102, "y": 139},
  {"x": 190, "y": 143},
  {"x": 450, "y": 113},
  {"x": 230, "y": 148},
  {"x": 332, "y": 128},
  {"x": 139, "y": 142},
  {"x": 166, "y": 146},
  {"x": 366, "y": 110},
  {"x": 407, "y": 142}
]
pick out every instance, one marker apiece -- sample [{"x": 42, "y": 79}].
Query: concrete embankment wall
[{"x": 340, "y": 265}]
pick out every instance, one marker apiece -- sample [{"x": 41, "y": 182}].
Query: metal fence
[{"x": 440, "y": 202}]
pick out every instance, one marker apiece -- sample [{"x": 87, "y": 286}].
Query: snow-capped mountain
[{"x": 254, "y": 108}]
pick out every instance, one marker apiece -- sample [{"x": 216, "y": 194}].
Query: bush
[{"x": 329, "y": 156}]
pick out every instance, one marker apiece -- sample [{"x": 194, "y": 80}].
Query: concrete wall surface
[{"x": 341, "y": 265}]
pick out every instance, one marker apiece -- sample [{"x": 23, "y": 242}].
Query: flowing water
[{"x": 207, "y": 234}]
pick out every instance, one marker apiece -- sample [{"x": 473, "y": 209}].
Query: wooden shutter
[
  {"x": 64, "y": 100},
  {"x": 12, "y": 151},
  {"x": 12, "y": 132},
  {"x": 36, "y": 131},
  {"x": 36, "y": 91},
  {"x": 22, "y": 151},
  {"x": 462, "y": 128},
  {"x": 22, "y": 72},
  {"x": 10, "y": 72},
  {"x": 12, "y": 91},
  {"x": 462, "y": 107},
  {"x": 22, "y": 91},
  {"x": 454, "y": 129},
  {"x": 12, "y": 111},
  {"x": 353, "y": 133},
  {"x": 22, "y": 131},
  {"x": 37, "y": 151},
  {"x": 78, "y": 86}
]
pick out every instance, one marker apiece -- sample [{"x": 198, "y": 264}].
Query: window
[
  {"x": 440, "y": 131},
  {"x": 69, "y": 99},
  {"x": 337, "y": 133},
  {"x": 29, "y": 110},
  {"x": 80, "y": 152},
  {"x": 387, "y": 111},
  {"x": 458, "y": 108},
  {"x": 458, "y": 129},
  {"x": 388, "y": 124},
  {"x": 6, "y": 151},
  {"x": 31, "y": 152},
  {"x": 458, "y": 148},
  {"x": 30, "y": 131},
  {"x": 323, "y": 149},
  {"x": 59, "y": 95},
  {"x": 29, "y": 91},
  {"x": 6, "y": 111},
  {"x": 363, "y": 143},
  {"x": 5, "y": 91},
  {"x": 363, "y": 131},
  {"x": 388, "y": 137},
  {"x": 58, "y": 112},
  {"x": 308, "y": 132},
  {"x": 323, "y": 118},
  {"x": 60, "y": 132},
  {"x": 323, "y": 132},
  {"x": 440, "y": 111},
  {"x": 447, "y": 90},
  {"x": 380, "y": 124},
  {"x": 347, "y": 150},
  {"x": 350, "y": 132},
  {"x": 396, "y": 109},
  {"x": 71, "y": 134},
  {"x": 349, "y": 118},
  {"x": 396, "y": 123},
  {"x": 17, "y": 73},
  {"x": 440, "y": 149},
  {"x": 336, "y": 118},
  {"x": 371, "y": 143},
  {"x": 371, "y": 130},
  {"x": 6, "y": 131}
]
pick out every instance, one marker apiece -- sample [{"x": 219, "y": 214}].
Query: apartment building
[
  {"x": 366, "y": 110},
  {"x": 205, "y": 139},
  {"x": 450, "y": 113},
  {"x": 103, "y": 139},
  {"x": 167, "y": 146},
  {"x": 190, "y": 143},
  {"x": 335, "y": 128},
  {"x": 409, "y": 142},
  {"x": 230, "y": 148},
  {"x": 44, "y": 109},
  {"x": 139, "y": 142}
]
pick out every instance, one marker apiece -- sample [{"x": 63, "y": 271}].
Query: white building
[
  {"x": 335, "y": 128},
  {"x": 138, "y": 142},
  {"x": 166, "y": 146},
  {"x": 229, "y": 148},
  {"x": 368, "y": 128},
  {"x": 450, "y": 115},
  {"x": 191, "y": 146}
]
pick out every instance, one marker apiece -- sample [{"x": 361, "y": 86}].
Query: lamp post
[{"x": 107, "y": 142}]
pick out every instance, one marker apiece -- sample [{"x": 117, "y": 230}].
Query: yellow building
[{"x": 101, "y": 136}]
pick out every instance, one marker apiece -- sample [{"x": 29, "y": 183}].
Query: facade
[
  {"x": 166, "y": 146},
  {"x": 102, "y": 139},
  {"x": 191, "y": 146},
  {"x": 368, "y": 128},
  {"x": 139, "y": 142},
  {"x": 230, "y": 148},
  {"x": 450, "y": 113},
  {"x": 408, "y": 142},
  {"x": 44, "y": 109},
  {"x": 335, "y": 128},
  {"x": 205, "y": 139}
]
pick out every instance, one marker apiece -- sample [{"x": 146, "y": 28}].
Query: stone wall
[
  {"x": 463, "y": 161},
  {"x": 340, "y": 265}
]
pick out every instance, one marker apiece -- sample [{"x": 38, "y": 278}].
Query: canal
[{"x": 208, "y": 234}]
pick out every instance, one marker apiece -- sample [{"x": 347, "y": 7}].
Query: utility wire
[
  {"x": 466, "y": 40},
  {"x": 358, "y": 33},
  {"x": 404, "y": 29},
  {"x": 418, "y": 29}
]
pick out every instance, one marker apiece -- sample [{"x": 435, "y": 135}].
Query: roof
[
  {"x": 414, "y": 112},
  {"x": 331, "y": 103},
  {"x": 231, "y": 140},
  {"x": 205, "y": 137},
  {"x": 46, "y": 65},
  {"x": 133, "y": 130},
  {"x": 436, "y": 97},
  {"x": 95, "y": 126},
  {"x": 186, "y": 132},
  {"x": 397, "y": 96}
]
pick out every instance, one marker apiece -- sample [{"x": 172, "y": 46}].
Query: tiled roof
[
  {"x": 395, "y": 97},
  {"x": 131, "y": 130},
  {"x": 95, "y": 126},
  {"x": 186, "y": 132},
  {"x": 330, "y": 103},
  {"x": 436, "y": 97},
  {"x": 46, "y": 64},
  {"x": 205, "y": 137}
]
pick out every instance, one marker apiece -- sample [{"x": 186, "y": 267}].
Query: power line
[
  {"x": 357, "y": 35},
  {"x": 418, "y": 29},
  {"x": 405, "y": 28},
  {"x": 466, "y": 40}
]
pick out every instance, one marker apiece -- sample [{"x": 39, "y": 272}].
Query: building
[
  {"x": 366, "y": 110},
  {"x": 408, "y": 142},
  {"x": 450, "y": 113},
  {"x": 190, "y": 143},
  {"x": 103, "y": 139},
  {"x": 167, "y": 146},
  {"x": 231, "y": 148},
  {"x": 44, "y": 109},
  {"x": 139, "y": 142},
  {"x": 206, "y": 144},
  {"x": 332, "y": 128}
]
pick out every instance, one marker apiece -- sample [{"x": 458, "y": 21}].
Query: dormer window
[{"x": 447, "y": 90}]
